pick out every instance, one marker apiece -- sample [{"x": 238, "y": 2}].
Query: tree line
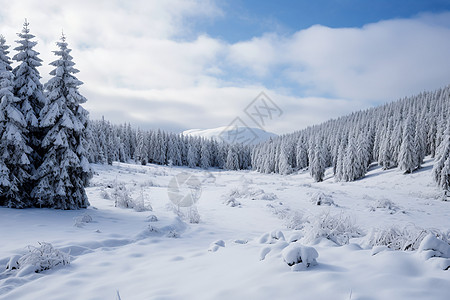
[
  {"x": 111, "y": 142},
  {"x": 395, "y": 135}
]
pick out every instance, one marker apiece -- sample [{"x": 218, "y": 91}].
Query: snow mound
[
  {"x": 216, "y": 245},
  {"x": 320, "y": 198},
  {"x": 271, "y": 237},
  {"x": 299, "y": 257},
  {"x": 431, "y": 246},
  {"x": 38, "y": 259}
]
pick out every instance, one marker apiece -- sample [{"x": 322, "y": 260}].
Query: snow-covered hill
[
  {"x": 233, "y": 134},
  {"x": 251, "y": 227}
]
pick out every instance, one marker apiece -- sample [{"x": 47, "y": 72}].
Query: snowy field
[{"x": 251, "y": 226}]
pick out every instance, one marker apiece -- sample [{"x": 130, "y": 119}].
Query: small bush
[
  {"x": 319, "y": 198},
  {"x": 152, "y": 218},
  {"x": 337, "y": 228},
  {"x": 386, "y": 205},
  {"x": 299, "y": 257},
  {"x": 194, "y": 216},
  {"x": 81, "y": 220},
  {"x": 39, "y": 259},
  {"x": 404, "y": 239}
]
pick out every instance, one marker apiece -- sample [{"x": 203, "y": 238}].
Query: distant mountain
[{"x": 230, "y": 134}]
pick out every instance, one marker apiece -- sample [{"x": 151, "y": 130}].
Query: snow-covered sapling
[{"x": 299, "y": 257}]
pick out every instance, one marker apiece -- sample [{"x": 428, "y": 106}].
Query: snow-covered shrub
[
  {"x": 141, "y": 203},
  {"x": 122, "y": 199},
  {"x": 194, "y": 216},
  {"x": 104, "y": 194},
  {"x": 295, "y": 220},
  {"x": 299, "y": 257},
  {"x": 386, "y": 205},
  {"x": 185, "y": 213},
  {"x": 246, "y": 192},
  {"x": 152, "y": 218},
  {"x": 232, "y": 202},
  {"x": 336, "y": 228},
  {"x": 121, "y": 196},
  {"x": 173, "y": 234},
  {"x": 320, "y": 198},
  {"x": 431, "y": 246},
  {"x": 406, "y": 238},
  {"x": 38, "y": 259},
  {"x": 265, "y": 196},
  {"x": 81, "y": 220}
]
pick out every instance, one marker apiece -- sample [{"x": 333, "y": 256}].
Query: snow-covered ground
[{"x": 252, "y": 226}]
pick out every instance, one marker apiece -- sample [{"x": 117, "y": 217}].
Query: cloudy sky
[{"x": 179, "y": 65}]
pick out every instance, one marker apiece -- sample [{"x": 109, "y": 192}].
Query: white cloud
[{"x": 142, "y": 62}]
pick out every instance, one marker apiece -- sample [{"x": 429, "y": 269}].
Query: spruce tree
[
  {"x": 407, "y": 158},
  {"x": 14, "y": 150},
  {"x": 441, "y": 171},
  {"x": 317, "y": 164},
  {"x": 65, "y": 171},
  {"x": 28, "y": 88}
]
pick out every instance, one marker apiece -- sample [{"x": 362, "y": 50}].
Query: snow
[
  {"x": 158, "y": 254},
  {"x": 300, "y": 257},
  {"x": 255, "y": 135}
]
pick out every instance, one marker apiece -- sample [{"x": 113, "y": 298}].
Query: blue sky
[
  {"x": 183, "y": 64},
  {"x": 243, "y": 20}
]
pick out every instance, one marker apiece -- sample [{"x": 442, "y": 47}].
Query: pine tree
[
  {"x": 65, "y": 170},
  {"x": 193, "y": 155},
  {"x": 140, "y": 152},
  {"x": 441, "y": 171},
  {"x": 14, "y": 151},
  {"x": 232, "y": 162},
  {"x": 353, "y": 166},
  {"x": 205, "y": 155},
  {"x": 317, "y": 165},
  {"x": 407, "y": 158},
  {"x": 283, "y": 162},
  {"x": 28, "y": 88}
]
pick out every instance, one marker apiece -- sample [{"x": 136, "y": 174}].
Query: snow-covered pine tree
[
  {"x": 339, "y": 175},
  {"x": 232, "y": 162},
  {"x": 205, "y": 154},
  {"x": 301, "y": 154},
  {"x": 407, "y": 157},
  {"x": 441, "y": 171},
  {"x": 193, "y": 155},
  {"x": 140, "y": 153},
  {"x": 317, "y": 162},
  {"x": 28, "y": 88},
  {"x": 353, "y": 166},
  {"x": 65, "y": 170},
  {"x": 283, "y": 162},
  {"x": 14, "y": 151}
]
